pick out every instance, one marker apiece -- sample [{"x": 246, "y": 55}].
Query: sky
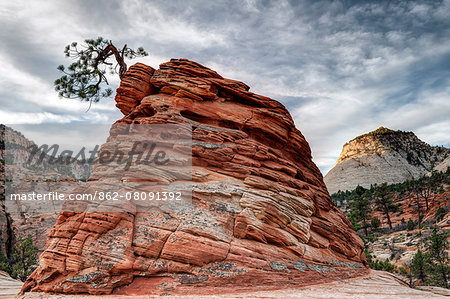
[{"x": 342, "y": 68}]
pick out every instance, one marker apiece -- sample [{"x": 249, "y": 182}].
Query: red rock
[
  {"x": 134, "y": 86},
  {"x": 407, "y": 203},
  {"x": 261, "y": 216},
  {"x": 190, "y": 249}
]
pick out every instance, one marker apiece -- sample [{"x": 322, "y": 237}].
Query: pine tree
[
  {"x": 4, "y": 263},
  {"x": 360, "y": 209},
  {"x": 24, "y": 258},
  {"x": 432, "y": 267},
  {"x": 437, "y": 242},
  {"x": 418, "y": 207},
  {"x": 384, "y": 202},
  {"x": 418, "y": 266},
  {"x": 84, "y": 77},
  {"x": 410, "y": 225},
  {"x": 424, "y": 188}
]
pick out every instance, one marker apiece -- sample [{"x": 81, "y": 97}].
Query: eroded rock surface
[
  {"x": 9, "y": 287},
  {"x": 375, "y": 285},
  {"x": 261, "y": 216},
  {"x": 384, "y": 156}
]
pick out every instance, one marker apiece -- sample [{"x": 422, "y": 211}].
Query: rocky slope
[
  {"x": 399, "y": 247},
  {"x": 261, "y": 217},
  {"x": 382, "y": 156}
]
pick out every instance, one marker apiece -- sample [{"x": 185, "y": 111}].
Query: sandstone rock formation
[
  {"x": 383, "y": 156},
  {"x": 261, "y": 217}
]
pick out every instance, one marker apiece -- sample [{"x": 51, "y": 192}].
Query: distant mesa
[{"x": 384, "y": 155}]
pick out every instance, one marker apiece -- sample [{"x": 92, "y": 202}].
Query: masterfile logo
[{"x": 131, "y": 168}]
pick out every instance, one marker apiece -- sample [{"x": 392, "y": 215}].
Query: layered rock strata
[{"x": 261, "y": 216}]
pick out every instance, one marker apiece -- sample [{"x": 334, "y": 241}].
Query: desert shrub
[{"x": 379, "y": 265}]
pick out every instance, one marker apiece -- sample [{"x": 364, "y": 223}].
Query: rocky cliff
[
  {"x": 384, "y": 155},
  {"x": 19, "y": 219},
  {"x": 261, "y": 216}
]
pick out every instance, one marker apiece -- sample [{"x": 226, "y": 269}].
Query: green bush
[
  {"x": 379, "y": 265},
  {"x": 403, "y": 271},
  {"x": 23, "y": 260},
  {"x": 369, "y": 238}
]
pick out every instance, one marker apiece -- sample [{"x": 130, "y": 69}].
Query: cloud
[{"x": 342, "y": 68}]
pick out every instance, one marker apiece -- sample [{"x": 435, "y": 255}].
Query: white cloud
[
  {"x": 435, "y": 133},
  {"x": 147, "y": 20},
  {"x": 341, "y": 69}
]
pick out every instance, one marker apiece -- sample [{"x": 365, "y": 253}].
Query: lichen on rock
[{"x": 261, "y": 215}]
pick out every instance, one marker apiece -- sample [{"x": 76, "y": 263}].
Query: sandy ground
[{"x": 375, "y": 285}]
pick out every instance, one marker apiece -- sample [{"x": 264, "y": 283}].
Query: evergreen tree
[
  {"x": 83, "y": 78},
  {"x": 418, "y": 266},
  {"x": 411, "y": 224},
  {"x": 440, "y": 213},
  {"x": 418, "y": 207},
  {"x": 24, "y": 258},
  {"x": 437, "y": 242},
  {"x": 360, "y": 209},
  {"x": 432, "y": 267},
  {"x": 424, "y": 188},
  {"x": 4, "y": 263},
  {"x": 384, "y": 202}
]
